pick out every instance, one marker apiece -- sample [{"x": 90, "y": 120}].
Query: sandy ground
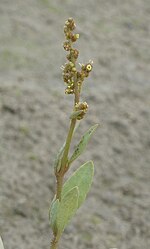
[{"x": 34, "y": 116}]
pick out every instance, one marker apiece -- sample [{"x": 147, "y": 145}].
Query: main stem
[
  {"x": 71, "y": 129},
  {"x": 61, "y": 173},
  {"x": 54, "y": 243}
]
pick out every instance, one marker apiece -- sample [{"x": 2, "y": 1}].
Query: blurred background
[{"x": 34, "y": 118}]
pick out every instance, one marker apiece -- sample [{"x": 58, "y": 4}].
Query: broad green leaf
[
  {"x": 75, "y": 114},
  {"x": 82, "y": 178},
  {"x": 67, "y": 208},
  {"x": 1, "y": 244},
  {"x": 57, "y": 162},
  {"x": 53, "y": 214},
  {"x": 79, "y": 149}
]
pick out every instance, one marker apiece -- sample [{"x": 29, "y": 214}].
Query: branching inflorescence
[{"x": 72, "y": 193}]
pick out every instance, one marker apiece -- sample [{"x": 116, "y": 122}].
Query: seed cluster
[
  {"x": 81, "y": 106},
  {"x": 71, "y": 75}
]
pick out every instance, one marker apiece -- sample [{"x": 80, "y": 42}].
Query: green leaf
[
  {"x": 67, "y": 208},
  {"x": 82, "y": 178},
  {"x": 53, "y": 214},
  {"x": 57, "y": 162},
  {"x": 79, "y": 149},
  {"x": 1, "y": 244}
]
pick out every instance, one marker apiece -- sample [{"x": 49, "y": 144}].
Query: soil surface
[{"x": 34, "y": 118}]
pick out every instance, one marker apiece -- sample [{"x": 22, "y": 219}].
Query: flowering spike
[{"x": 70, "y": 72}]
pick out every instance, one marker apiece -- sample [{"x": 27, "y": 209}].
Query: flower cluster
[
  {"x": 81, "y": 106},
  {"x": 71, "y": 75}
]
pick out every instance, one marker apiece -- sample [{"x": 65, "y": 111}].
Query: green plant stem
[
  {"x": 64, "y": 166},
  {"x": 54, "y": 243},
  {"x": 60, "y": 174},
  {"x": 77, "y": 94},
  {"x": 72, "y": 126},
  {"x": 68, "y": 142},
  {"x": 59, "y": 184}
]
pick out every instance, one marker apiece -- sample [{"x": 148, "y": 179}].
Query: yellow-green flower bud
[
  {"x": 71, "y": 64},
  {"x": 88, "y": 67},
  {"x": 77, "y": 36},
  {"x": 74, "y": 69}
]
